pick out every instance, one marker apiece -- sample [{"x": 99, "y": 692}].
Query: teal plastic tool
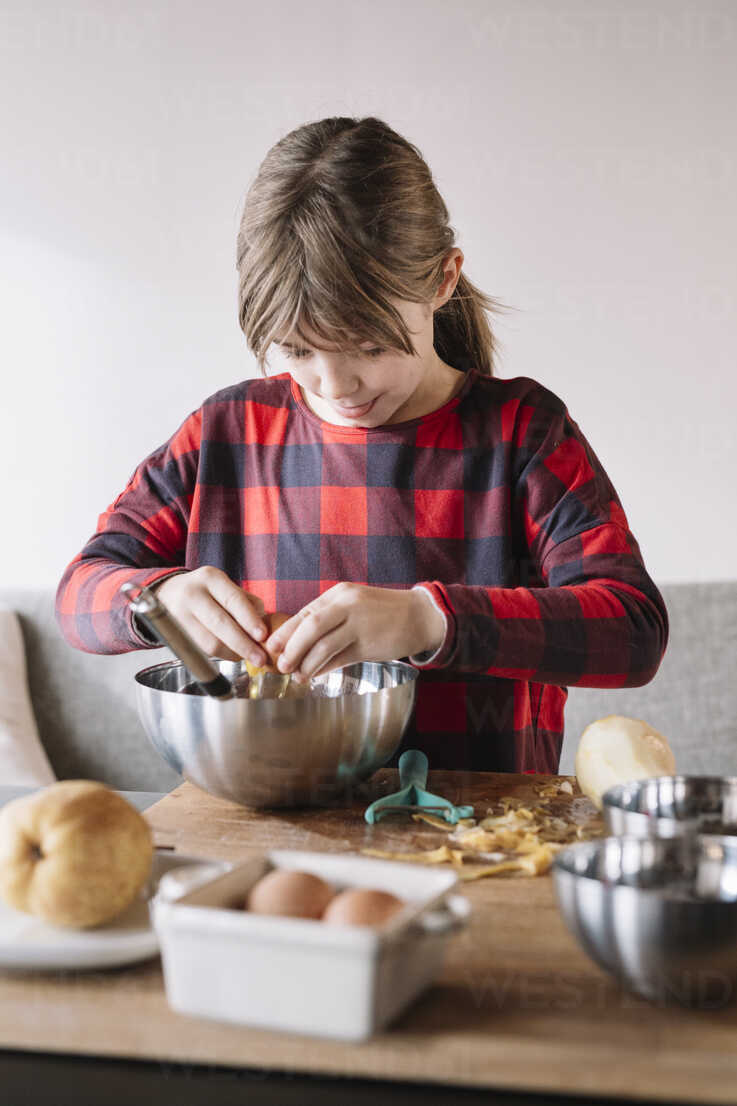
[{"x": 412, "y": 798}]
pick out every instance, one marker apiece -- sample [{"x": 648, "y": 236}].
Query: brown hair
[{"x": 342, "y": 216}]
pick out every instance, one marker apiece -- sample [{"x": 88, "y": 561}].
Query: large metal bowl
[
  {"x": 659, "y": 914},
  {"x": 301, "y": 751},
  {"x": 671, "y": 806}
]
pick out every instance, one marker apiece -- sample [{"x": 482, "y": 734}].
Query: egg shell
[
  {"x": 273, "y": 621},
  {"x": 361, "y": 906},
  {"x": 290, "y": 894}
]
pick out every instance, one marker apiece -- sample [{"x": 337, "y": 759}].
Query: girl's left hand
[{"x": 354, "y": 622}]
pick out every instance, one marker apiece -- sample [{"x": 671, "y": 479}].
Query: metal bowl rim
[
  {"x": 596, "y": 846},
  {"x": 172, "y": 664},
  {"x": 612, "y": 796}
]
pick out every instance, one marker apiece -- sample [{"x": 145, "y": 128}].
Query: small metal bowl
[
  {"x": 307, "y": 749},
  {"x": 659, "y": 914},
  {"x": 671, "y": 806}
]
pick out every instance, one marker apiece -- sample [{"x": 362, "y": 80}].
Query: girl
[{"x": 381, "y": 486}]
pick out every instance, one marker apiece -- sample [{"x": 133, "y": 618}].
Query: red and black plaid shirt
[{"x": 495, "y": 502}]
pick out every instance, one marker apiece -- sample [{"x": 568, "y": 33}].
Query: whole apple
[{"x": 75, "y": 854}]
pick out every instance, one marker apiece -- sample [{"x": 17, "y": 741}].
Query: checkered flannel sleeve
[
  {"x": 141, "y": 537},
  {"x": 597, "y": 619}
]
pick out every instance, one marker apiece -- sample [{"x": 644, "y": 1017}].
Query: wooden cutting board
[
  {"x": 230, "y": 831},
  {"x": 518, "y": 1005}
]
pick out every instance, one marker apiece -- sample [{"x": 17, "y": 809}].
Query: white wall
[{"x": 586, "y": 151}]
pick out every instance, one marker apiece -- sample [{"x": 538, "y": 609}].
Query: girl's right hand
[{"x": 223, "y": 619}]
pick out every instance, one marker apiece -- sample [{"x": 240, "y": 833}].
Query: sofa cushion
[
  {"x": 23, "y": 762},
  {"x": 85, "y": 705}
]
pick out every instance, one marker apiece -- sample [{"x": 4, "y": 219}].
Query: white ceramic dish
[
  {"x": 297, "y": 974},
  {"x": 28, "y": 943}
]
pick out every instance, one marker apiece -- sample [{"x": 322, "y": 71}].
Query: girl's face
[{"x": 377, "y": 387}]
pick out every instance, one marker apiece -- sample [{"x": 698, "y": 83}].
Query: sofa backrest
[
  {"x": 86, "y": 712},
  {"x": 85, "y": 705},
  {"x": 692, "y": 699}
]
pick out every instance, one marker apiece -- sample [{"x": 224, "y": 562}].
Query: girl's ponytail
[
  {"x": 462, "y": 334},
  {"x": 342, "y": 217}
]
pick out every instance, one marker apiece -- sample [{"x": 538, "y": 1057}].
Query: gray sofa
[{"x": 86, "y": 713}]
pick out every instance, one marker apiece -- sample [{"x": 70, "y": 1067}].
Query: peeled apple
[{"x": 616, "y": 749}]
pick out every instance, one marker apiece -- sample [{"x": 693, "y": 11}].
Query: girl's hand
[
  {"x": 353, "y": 622},
  {"x": 223, "y": 619}
]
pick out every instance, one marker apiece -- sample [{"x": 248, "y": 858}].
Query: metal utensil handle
[{"x": 163, "y": 625}]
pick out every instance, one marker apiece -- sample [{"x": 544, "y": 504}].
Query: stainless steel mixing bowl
[
  {"x": 670, "y": 806},
  {"x": 297, "y": 751},
  {"x": 660, "y": 914}
]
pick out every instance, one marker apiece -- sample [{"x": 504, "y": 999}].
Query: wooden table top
[{"x": 518, "y": 1005}]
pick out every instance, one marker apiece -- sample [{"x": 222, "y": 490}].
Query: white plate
[{"x": 27, "y": 942}]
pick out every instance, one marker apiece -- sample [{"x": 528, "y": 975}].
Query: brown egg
[
  {"x": 360, "y": 906},
  {"x": 273, "y": 621},
  {"x": 291, "y": 894}
]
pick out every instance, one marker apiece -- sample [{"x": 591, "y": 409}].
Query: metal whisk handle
[{"x": 164, "y": 626}]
